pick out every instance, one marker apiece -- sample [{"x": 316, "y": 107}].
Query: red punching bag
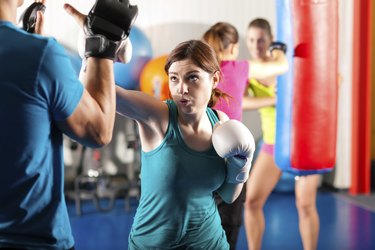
[{"x": 314, "y": 115}]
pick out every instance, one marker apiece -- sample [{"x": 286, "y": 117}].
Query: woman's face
[
  {"x": 190, "y": 86},
  {"x": 258, "y": 41}
]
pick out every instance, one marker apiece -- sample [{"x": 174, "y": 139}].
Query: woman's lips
[{"x": 184, "y": 102}]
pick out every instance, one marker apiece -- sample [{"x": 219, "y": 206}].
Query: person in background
[
  {"x": 224, "y": 39},
  {"x": 265, "y": 174},
  {"x": 40, "y": 100}
]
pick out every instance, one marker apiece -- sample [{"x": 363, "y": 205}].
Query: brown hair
[
  {"x": 220, "y": 36},
  {"x": 262, "y": 24},
  {"x": 203, "y": 56}
]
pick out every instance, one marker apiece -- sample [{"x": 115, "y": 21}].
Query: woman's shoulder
[
  {"x": 235, "y": 63},
  {"x": 222, "y": 116},
  {"x": 235, "y": 66}
]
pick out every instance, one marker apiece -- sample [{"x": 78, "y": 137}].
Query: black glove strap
[
  {"x": 98, "y": 25},
  {"x": 278, "y": 45},
  {"x": 119, "y": 13},
  {"x": 101, "y": 47},
  {"x": 29, "y": 16}
]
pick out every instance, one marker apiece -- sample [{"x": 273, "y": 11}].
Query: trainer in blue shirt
[{"x": 41, "y": 99}]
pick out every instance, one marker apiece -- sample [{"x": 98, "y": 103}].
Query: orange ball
[{"x": 154, "y": 80}]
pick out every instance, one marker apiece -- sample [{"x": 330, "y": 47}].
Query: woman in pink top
[{"x": 224, "y": 39}]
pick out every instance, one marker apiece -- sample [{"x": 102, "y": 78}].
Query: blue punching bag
[
  {"x": 284, "y": 87},
  {"x": 284, "y": 26}
]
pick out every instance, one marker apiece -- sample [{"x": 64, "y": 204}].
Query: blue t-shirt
[
  {"x": 177, "y": 209},
  {"x": 38, "y": 87}
]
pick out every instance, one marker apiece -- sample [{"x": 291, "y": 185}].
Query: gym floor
[{"x": 346, "y": 223}]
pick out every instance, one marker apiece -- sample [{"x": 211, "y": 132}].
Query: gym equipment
[
  {"x": 29, "y": 16},
  {"x": 284, "y": 87},
  {"x": 286, "y": 183},
  {"x": 306, "y": 130},
  {"x": 154, "y": 79},
  {"x": 233, "y": 141},
  {"x": 107, "y": 24},
  {"x": 95, "y": 182},
  {"x": 128, "y": 75}
]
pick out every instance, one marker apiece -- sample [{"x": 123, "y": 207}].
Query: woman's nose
[{"x": 182, "y": 88}]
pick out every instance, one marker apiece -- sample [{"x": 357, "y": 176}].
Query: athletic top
[
  {"x": 38, "y": 86},
  {"x": 177, "y": 209},
  {"x": 234, "y": 83},
  {"x": 267, "y": 114}
]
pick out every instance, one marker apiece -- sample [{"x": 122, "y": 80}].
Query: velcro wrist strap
[
  {"x": 101, "y": 47},
  {"x": 237, "y": 169},
  {"x": 278, "y": 45}
]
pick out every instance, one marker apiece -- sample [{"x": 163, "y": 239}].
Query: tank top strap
[
  {"x": 212, "y": 115},
  {"x": 173, "y": 113}
]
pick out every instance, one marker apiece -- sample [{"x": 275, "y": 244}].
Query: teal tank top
[{"x": 177, "y": 209}]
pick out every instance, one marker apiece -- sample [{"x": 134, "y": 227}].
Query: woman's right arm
[
  {"x": 151, "y": 115},
  {"x": 139, "y": 106},
  {"x": 251, "y": 103},
  {"x": 276, "y": 66}
]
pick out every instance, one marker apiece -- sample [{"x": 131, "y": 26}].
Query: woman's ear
[
  {"x": 216, "y": 79},
  {"x": 235, "y": 50}
]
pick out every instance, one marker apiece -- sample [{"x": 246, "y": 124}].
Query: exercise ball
[
  {"x": 127, "y": 75},
  {"x": 154, "y": 80},
  {"x": 286, "y": 183}
]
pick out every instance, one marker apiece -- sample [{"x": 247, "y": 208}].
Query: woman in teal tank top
[{"x": 180, "y": 168}]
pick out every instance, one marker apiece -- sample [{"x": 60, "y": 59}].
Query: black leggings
[{"x": 231, "y": 217}]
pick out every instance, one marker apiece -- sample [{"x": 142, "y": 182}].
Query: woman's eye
[
  {"x": 193, "y": 78},
  {"x": 173, "y": 78}
]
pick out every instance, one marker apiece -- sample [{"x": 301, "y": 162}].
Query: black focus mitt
[
  {"x": 29, "y": 16},
  {"x": 108, "y": 23}
]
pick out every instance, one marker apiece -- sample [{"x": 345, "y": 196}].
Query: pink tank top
[{"x": 234, "y": 83}]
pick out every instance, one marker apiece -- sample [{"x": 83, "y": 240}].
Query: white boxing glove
[
  {"x": 123, "y": 53},
  {"x": 233, "y": 141}
]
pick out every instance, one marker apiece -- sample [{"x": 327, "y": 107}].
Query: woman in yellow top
[{"x": 265, "y": 174}]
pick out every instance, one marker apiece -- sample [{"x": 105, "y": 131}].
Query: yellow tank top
[{"x": 267, "y": 114}]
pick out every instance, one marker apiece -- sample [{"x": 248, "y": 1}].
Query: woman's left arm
[
  {"x": 234, "y": 142},
  {"x": 229, "y": 192}
]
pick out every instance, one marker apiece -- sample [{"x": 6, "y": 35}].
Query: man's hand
[{"x": 78, "y": 16}]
